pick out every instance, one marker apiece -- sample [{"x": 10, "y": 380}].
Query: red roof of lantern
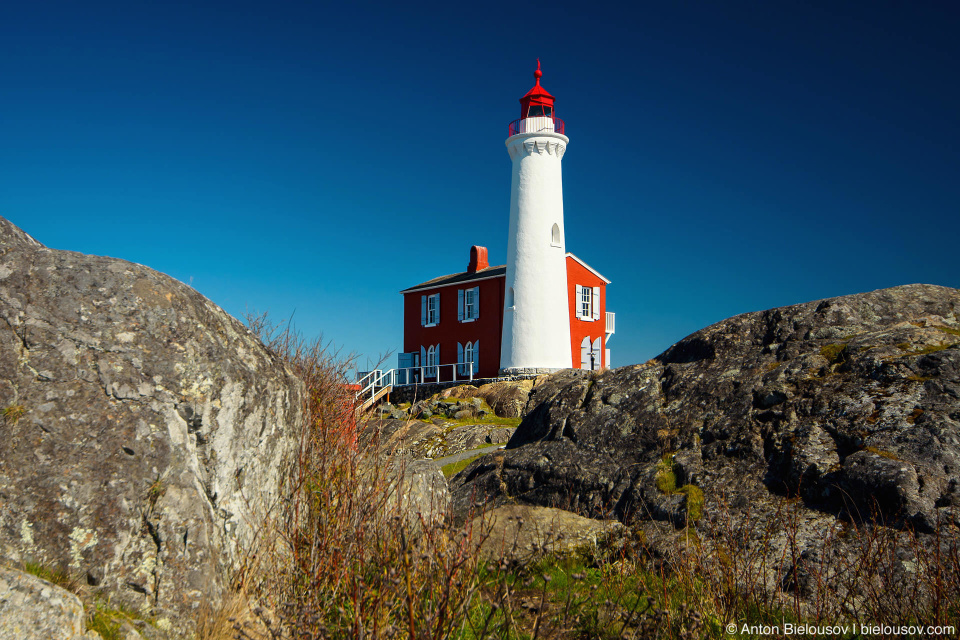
[{"x": 537, "y": 95}]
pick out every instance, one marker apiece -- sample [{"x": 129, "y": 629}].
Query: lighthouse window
[
  {"x": 539, "y": 110},
  {"x": 555, "y": 235}
]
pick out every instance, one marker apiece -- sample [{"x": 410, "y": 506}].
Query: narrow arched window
[
  {"x": 555, "y": 235},
  {"x": 510, "y": 301}
]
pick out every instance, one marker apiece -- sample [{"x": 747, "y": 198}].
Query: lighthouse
[{"x": 536, "y": 322}]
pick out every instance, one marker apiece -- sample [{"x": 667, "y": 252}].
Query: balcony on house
[{"x": 611, "y": 324}]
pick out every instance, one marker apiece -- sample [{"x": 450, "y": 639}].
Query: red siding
[
  {"x": 487, "y": 328},
  {"x": 580, "y": 329}
]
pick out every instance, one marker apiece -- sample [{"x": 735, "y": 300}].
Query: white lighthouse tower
[{"x": 536, "y": 320}]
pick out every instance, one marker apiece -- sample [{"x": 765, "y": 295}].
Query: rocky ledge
[{"x": 851, "y": 404}]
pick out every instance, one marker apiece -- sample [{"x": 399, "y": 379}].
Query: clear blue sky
[{"x": 314, "y": 158}]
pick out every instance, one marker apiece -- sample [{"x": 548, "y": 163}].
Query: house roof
[
  {"x": 484, "y": 274},
  {"x": 457, "y": 278},
  {"x": 589, "y": 268}
]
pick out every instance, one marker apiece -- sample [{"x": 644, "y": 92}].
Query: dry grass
[{"x": 350, "y": 561}]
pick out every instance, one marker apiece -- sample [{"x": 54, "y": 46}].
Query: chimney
[{"x": 478, "y": 259}]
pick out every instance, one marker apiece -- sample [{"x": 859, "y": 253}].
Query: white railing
[
  {"x": 375, "y": 380},
  {"x": 611, "y": 322}
]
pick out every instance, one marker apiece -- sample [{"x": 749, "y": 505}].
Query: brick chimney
[{"x": 478, "y": 259}]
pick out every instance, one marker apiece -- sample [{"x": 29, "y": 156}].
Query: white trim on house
[
  {"x": 454, "y": 284},
  {"x": 588, "y": 267}
]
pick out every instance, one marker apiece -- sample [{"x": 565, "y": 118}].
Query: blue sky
[{"x": 312, "y": 159}]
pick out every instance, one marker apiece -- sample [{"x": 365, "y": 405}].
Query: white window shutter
[
  {"x": 595, "y": 303},
  {"x": 579, "y": 298},
  {"x": 585, "y": 354},
  {"x": 460, "y": 367},
  {"x": 476, "y": 302},
  {"x": 423, "y": 311},
  {"x": 459, "y": 305}
]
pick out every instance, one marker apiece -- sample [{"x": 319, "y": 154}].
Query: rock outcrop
[
  {"x": 34, "y": 609},
  {"x": 145, "y": 432},
  {"x": 523, "y": 533},
  {"x": 851, "y": 404}
]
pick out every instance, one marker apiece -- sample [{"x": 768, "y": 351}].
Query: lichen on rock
[{"x": 154, "y": 433}]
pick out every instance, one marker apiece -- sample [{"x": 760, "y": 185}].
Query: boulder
[
  {"x": 523, "y": 533},
  {"x": 851, "y": 404},
  {"x": 507, "y": 399},
  {"x": 419, "y": 492},
  {"x": 34, "y": 609},
  {"x": 145, "y": 431}
]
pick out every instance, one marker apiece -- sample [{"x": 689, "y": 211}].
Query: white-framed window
[
  {"x": 430, "y": 310},
  {"x": 468, "y": 304},
  {"x": 466, "y": 354},
  {"x": 590, "y": 354},
  {"x": 430, "y": 357},
  {"x": 588, "y": 303}
]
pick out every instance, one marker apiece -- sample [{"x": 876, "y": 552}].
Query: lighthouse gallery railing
[{"x": 515, "y": 127}]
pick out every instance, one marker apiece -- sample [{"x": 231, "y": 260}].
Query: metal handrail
[
  {"x": 375, "y": 380},
  {"x": 514, "y": 128}
]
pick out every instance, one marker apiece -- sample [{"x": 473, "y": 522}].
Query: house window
[
  {"x": 588, "y": 303},
  {"x": 430, "y": 310},
  {"x": 468, "y": 304},
  {"x": 430, "y": 357},
  {"x": 467, "y": 354}
]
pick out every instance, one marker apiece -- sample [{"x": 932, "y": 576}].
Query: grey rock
[
  {"x": 795, "y": 401},
  {"x": 523, "y": 533},
  {"x": 34, "y": 609},
  {"x": 419, "y": 490},
  {"x": 147, "y": 432}
]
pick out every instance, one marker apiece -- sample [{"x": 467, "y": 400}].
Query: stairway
[{"x": 374, "y": 399}]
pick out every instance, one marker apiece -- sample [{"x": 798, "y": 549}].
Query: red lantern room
[
  {"x": 538, "y": 101},
  {"x": 536, "y": 110}
]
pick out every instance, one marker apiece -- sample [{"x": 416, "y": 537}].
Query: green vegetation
[
  {"x": 58, "y": 576},
  {"x": 452, "y": 469},
  {"x": 155, "y": 491},
  {"x": 834, "y": 353},
  {"x": 107, "y": 619},
  {"x": 666, "y": 482},
  {"x": 13, "y": 413},
  {"x": 881, "y": 452},
  {"x": 930, "y": 348},
  {"x": 950, "y": 330}
]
